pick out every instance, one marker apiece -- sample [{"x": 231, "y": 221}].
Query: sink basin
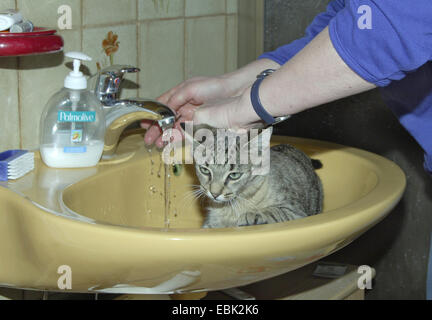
[{"x": 114, "y": 228}]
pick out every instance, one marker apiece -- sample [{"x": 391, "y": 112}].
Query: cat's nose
[{"x": 215, "y": 195}]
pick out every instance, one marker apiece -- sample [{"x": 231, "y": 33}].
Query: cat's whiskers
[
  {"x": 191, "y": 196},
  {"x": 233, "y": 205}
]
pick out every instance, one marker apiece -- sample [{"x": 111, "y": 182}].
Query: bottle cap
[{"x": 76, "y": 79}]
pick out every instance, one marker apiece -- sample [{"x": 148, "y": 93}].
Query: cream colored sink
[{"x": 110, "y": 226}]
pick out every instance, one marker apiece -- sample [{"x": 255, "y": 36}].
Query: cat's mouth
[{"x": 220, "y": 198}]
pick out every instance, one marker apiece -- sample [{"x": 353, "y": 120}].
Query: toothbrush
[{"x": 15, "y": 163}]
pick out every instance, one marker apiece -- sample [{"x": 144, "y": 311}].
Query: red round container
[{"x": 41, "y": 40}]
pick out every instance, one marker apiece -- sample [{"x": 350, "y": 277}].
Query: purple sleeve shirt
[{"x": 393, "y": 54}]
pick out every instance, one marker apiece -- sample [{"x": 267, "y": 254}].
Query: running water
[{"x": 167, "y": 185}]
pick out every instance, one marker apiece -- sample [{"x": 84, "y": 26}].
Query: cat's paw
[{"x": 251, "y": 219}]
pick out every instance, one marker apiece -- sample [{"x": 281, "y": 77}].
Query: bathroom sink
[{"x": 118, "y": 233}]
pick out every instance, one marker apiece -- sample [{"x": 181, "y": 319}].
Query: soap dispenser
[{"x": 73, "y": 123}]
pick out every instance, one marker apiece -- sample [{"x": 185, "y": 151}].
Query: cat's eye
[
  {"x": 204, "y": 171},
  {"x": 235, "y": 175}
]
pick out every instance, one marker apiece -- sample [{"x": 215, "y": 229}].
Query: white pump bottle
[{"x": 73, "y": 123}]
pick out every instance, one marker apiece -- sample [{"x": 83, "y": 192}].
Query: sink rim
[
  {"x": 105, "y": 255},
  {"x": 380, "y": 195}
]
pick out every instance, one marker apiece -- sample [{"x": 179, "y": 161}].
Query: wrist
[
  {"x": 243, "y": 78},
  {"x": 235, "y": 83},
  {"x": 244, "y": 114}
]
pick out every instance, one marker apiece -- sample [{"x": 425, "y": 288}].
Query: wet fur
[{"x": 291, "y": 190}]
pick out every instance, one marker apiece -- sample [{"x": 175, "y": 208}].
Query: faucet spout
[
  {"x": 125, "y": 112},
  {"x": 120, "y": 113}
]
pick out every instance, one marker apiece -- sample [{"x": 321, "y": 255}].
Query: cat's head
[{"x": 224, "y": 160}]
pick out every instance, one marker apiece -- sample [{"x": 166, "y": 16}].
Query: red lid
[{"x": 41, "y": 40}]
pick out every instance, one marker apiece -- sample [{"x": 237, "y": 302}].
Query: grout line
[
  {"x": 138, "y": 46},
  {"x": 185, "y": 40},
  {"x": 226, "y": 38},
  {"x": 129, "y": 22},
  {"x": 18, "y": 75},
  {"x": 18, "y": 64},
  {"x": 81, "y": 25},
  {"x": 226, "y": 45}
]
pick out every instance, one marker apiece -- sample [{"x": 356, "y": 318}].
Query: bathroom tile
[
  {"x": 204, "y": 7},
  {"x": 205, "y": 53},
  {"x": 232, "y": 6},
  {"x": 39, "y": 78},
  {"x": 47, "y": 15},
  {"x": 162, "y": 57},
  {"x": 9, "y": 114},
  {"x": 127, "y": 53},
  {"x": 96, "y": 12},
  {"x": 232, "y": 43},
  {"x": 153, "y": 9},
  {"x": 7, "y": 4}
]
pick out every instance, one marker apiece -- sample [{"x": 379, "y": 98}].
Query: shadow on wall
[{"x": 398, "y": 246}]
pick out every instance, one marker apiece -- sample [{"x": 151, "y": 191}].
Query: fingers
[
  {"x": 164, "y": 98},
  {"x": 177, "y": 96},
  {"x": 152, "y": 134},
  {"x": 145, "y": 124},
  {"x": 176, "y": 137}
]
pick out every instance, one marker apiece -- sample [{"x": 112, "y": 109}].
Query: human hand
[
  {"x": 234, "y": 113},
  {"x": 184, "y": 99}
]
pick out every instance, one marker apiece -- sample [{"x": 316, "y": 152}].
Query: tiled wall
[{"x": 170, "y": 40}]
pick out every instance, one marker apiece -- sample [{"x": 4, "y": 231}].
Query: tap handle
[{"x": 108, "y": 81}]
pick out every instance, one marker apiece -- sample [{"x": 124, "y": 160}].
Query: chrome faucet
[
  {"x": 106, "y": 83},
  {"x": 120, "y": 113}
]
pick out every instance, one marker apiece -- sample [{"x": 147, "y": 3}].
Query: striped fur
[{"x": 291, "y": 190}]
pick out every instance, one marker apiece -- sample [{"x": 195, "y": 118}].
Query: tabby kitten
[{"x": 290, "y": 190}]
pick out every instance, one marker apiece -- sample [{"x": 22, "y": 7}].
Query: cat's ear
[
  {"x": 259, "y": 140},
  {"x": 188, "y": 131},
  {"x": 201, "y": 138},
  {"x": 259, "y": 150}
]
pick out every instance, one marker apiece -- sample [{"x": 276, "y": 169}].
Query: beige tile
[
  {"x": 232, "y": 6},
  {"x": 39, "y": 78},
  {"x": 152, "y": 9},
  {"x": 46, "y": 14},
  {"x": 205, "y": 53},
  {"x": 162, "y": 58},
  {"x": 108, "y": 12},
  {"x": 9, "y": 114},
  {"x": 232, "y": 43},
  {"x": 7, "y": 4},
  {"x": 204, "y": 7},
  {"x": 127, "y": 53}
]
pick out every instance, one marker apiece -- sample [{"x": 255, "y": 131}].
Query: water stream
[
  {"x": 163, "y": 171},
  {"x": 167, "y": 187}
]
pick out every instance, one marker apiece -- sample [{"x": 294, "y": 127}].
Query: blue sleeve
[
  {"x": 285, "y": 53},
  {"x": 398, "y": 41}
]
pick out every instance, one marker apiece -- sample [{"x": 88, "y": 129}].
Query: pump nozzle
[{"x": 75, "y": 79}]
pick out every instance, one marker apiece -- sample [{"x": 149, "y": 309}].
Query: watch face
[{"x": 265, "y": 73}]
